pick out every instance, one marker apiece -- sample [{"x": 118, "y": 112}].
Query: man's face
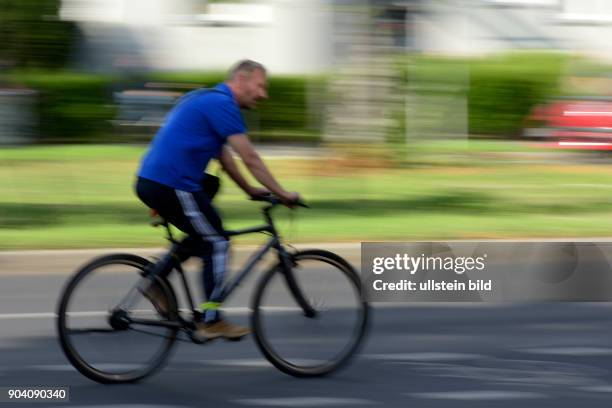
[{"x": 253, "y": 88}]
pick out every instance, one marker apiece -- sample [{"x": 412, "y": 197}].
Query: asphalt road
[{"x": 421, "y": 355}]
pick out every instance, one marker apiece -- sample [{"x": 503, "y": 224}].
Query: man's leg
[
  {"x": 208, "y": 225},
  {"x": 213, "y": 277},
  {"x": 203, "y": 249}
]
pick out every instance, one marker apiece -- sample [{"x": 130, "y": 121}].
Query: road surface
[{"x": 419, "y": 355}]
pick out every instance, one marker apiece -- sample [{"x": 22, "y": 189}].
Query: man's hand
[{"x": 290, "y": 198}]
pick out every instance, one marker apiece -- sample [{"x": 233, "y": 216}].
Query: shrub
[{"x": 79, "y": 108}]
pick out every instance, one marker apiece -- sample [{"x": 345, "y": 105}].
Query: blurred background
[
  {"x": 398, "y": 120},
  {"x": 413, "y": 120}
]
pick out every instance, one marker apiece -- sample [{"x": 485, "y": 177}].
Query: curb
[{"x": 66, "y": 261}]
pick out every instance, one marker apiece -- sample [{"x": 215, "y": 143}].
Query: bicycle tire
[
  {"x": 67, "y": 344},
  {"x": 341, "y": 359}
]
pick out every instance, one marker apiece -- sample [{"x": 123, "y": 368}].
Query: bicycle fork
[{"x": 287, "y": 265}]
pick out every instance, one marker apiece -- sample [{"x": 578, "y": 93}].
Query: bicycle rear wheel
[
  {"x": 104, "y": 342},
  {"x": 312, "y": 323}
]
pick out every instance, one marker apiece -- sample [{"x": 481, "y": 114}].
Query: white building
[
  {"x": 288, "y": 36},
  {"x": 306, "y": 36},
  {"x": 485, "y": 26}
]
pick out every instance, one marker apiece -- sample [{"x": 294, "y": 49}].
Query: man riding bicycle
[{"x": 200, "y": 128}]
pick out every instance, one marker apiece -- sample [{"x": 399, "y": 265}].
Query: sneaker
[
  {"x": 157, "y": 297},
  {"x": 222, "y": 328}
]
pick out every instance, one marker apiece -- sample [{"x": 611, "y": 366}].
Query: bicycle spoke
[
  {"x": 306, "y": 343},
  {"x": 111, "y": 344}
]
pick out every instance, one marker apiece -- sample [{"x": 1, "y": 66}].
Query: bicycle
[{"x": 295, "y": 290}]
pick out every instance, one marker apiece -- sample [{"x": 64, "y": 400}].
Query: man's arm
[
  {"x": 229, "y": 165},
  {"x": 242, "y": 145}
]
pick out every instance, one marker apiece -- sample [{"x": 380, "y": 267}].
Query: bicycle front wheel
[
  {"x": 107, "y": 343},
  {"x": 310, "y": 320}
]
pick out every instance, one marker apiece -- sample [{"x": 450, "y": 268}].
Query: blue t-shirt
[{"x": 194, "y": 132}]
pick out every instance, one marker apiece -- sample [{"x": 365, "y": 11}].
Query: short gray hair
[{"x": 244, "y": 66}]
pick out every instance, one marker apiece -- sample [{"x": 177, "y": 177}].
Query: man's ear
[{"x": 240, "y": 78}]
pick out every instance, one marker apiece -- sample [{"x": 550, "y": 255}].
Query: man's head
[{"x": 248, "y": 82}]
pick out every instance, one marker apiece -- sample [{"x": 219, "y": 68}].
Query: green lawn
[{"x": 81, "y": 196}]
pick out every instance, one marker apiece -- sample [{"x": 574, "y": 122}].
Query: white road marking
[
  {"x": 51, "y": 367},
  {"x": 425, "y": 356},
  {"x": 570, "y": 351},
  {"x": 438, "y": 305},
  {"x": 9, "y": 316},
  {"x": 302, "y": 402},
  {"x": 243, "y": 362},
  {"x": 50, "y": 315},
  {"x": 256, "y": 362},
  {"x": 519, "y": 372},
  {"x": 597, "y": 388},
  {"x": 68, "y": 367},
  {"x": 480, "y": 395},
  {"x": 562, "y": 326}
]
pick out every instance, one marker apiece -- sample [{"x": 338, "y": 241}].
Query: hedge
[
  {"x": 71, "y": 107},
  {"x": 500, "y": 90},
  {"x": 79, "y": 107},
  {"x": 503, "y": 90}
]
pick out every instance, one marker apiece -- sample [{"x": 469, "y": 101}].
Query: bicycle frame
[{"x": 176, "y": 255}]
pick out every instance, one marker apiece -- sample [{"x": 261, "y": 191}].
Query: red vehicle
[{"x": 577, "y": 123}]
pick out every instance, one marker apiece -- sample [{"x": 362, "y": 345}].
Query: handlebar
[{"x": 274, "y": 200}]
